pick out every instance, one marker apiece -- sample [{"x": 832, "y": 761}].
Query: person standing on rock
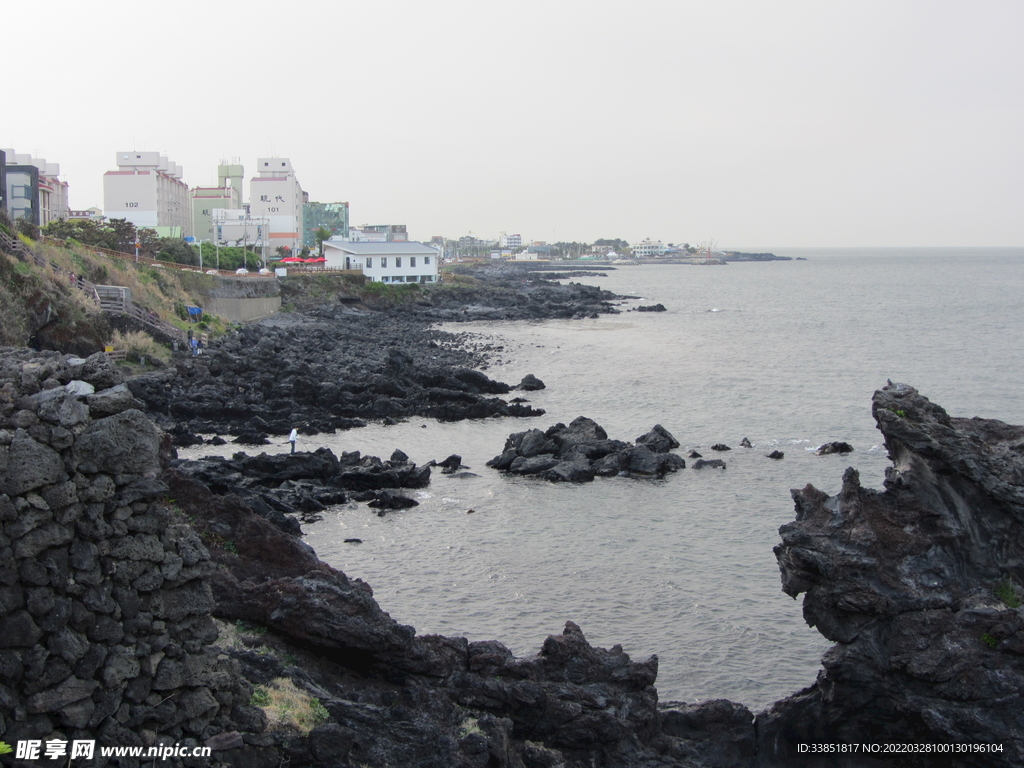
[{"x": 293, "y": 438}]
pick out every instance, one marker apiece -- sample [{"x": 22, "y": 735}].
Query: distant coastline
[{"x": 720, "y": 258}]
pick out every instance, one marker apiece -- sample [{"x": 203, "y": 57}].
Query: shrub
[
  {"x": 138, "y": 344},
  {"x": 1006, "y": 594}
]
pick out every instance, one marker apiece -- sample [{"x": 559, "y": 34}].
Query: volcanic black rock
[
  {"x": 713, "y": 463},
  {"x": 530, "y": 383},
  {"x": 918, "y": 585},
  {"x": 579, "y": 452},
  {"x": 834, "y": 447},
  {"x": 279, "y": 485}
]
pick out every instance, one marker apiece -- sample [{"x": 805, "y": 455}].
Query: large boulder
[
  {"x": 26, "y": 464},
  {"x": 530, "y": 383},
  {"x": 125, "y": 443},
  {"x": 659, "y": 440}
]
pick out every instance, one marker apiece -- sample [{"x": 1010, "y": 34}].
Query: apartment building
[
  {"x": 276, "y": 195},
  {"x": 147, "y": 190},
  {"x": 33, "y": 188},
  {"x": 227, "y": 195}
]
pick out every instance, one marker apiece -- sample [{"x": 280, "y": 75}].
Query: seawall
[{"x": 242, "y": 299}]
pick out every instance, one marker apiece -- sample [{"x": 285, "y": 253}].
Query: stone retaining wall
[
  {"x": 243, "y": 310},
  {"x": 105, "y": 628}
]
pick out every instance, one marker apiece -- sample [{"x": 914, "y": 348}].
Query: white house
[
  {"x": 648, "y": 249},
  {"x": 394, "y": 262}
]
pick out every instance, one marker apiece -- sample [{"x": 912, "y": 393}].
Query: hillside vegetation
[{"x": 41, "y": 307}]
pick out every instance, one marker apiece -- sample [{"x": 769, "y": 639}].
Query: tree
[
  {"x": 27, "y": 227},
  {"x": 120, "y": 235},
  {"x": 149, "y": 242},
  {"x": 323, "y": 233},
  {"x": 571, "y": 250},
  {"x": 283, "y": 251},
  {"x": 5, "y": 222},
  {"x": 176, "y": 250}
]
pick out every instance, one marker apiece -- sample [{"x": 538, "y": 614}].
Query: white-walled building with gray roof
[{"x": 394, "y": 262}]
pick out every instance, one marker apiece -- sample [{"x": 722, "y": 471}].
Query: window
[
  {"x": 24, "y": 193},
  {"x": 369, "y": 263},
  {"x": 398, "y": 261},
  {"x": 383, "y": 262},
  {"x": 426, "y": 260},
  {"x": 412, "y": 261}
]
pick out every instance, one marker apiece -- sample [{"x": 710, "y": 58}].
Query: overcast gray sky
[{"x": 750, "y": 122}]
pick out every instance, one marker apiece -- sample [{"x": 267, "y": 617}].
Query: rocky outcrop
[
  {"x": 507, "y": 291},
  {"x": 399, "y": 699},
  {"x": 111, "y": 568},
  {"x": 274, "y": 579},
  {"x": 278, "y": 486},
  {"x": 713, "y": 463},
  {"x": 320, "y": 377},
  {"x": 740, "y": 256},
  {"x": 837, "y": 446},
  {"x": 530, "y": 383},
  {"x": 582, "y": 451},
  {"x": 918, "y": 585}
]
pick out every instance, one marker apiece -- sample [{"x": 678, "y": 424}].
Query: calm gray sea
[{"x": 786, "y": 354}]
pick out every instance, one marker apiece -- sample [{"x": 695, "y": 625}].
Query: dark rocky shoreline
[
  {"x": 333, "y": 365},
  {"x": 113, "y": 566}
]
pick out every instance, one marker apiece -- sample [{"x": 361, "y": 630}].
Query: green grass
[
  {"x": 1006, "y": 594},
  {"x": 249, "y": 629},
  {"x": 288, "y": 707},
  {"x": 396, "y": 293}
]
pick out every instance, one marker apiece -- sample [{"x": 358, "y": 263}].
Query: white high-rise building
[
  {"x": 147, "y": 190},
  {"x": 277, "y": 196}
]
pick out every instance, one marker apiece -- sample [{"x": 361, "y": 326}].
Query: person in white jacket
[{"x": 293, "y": 438}]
